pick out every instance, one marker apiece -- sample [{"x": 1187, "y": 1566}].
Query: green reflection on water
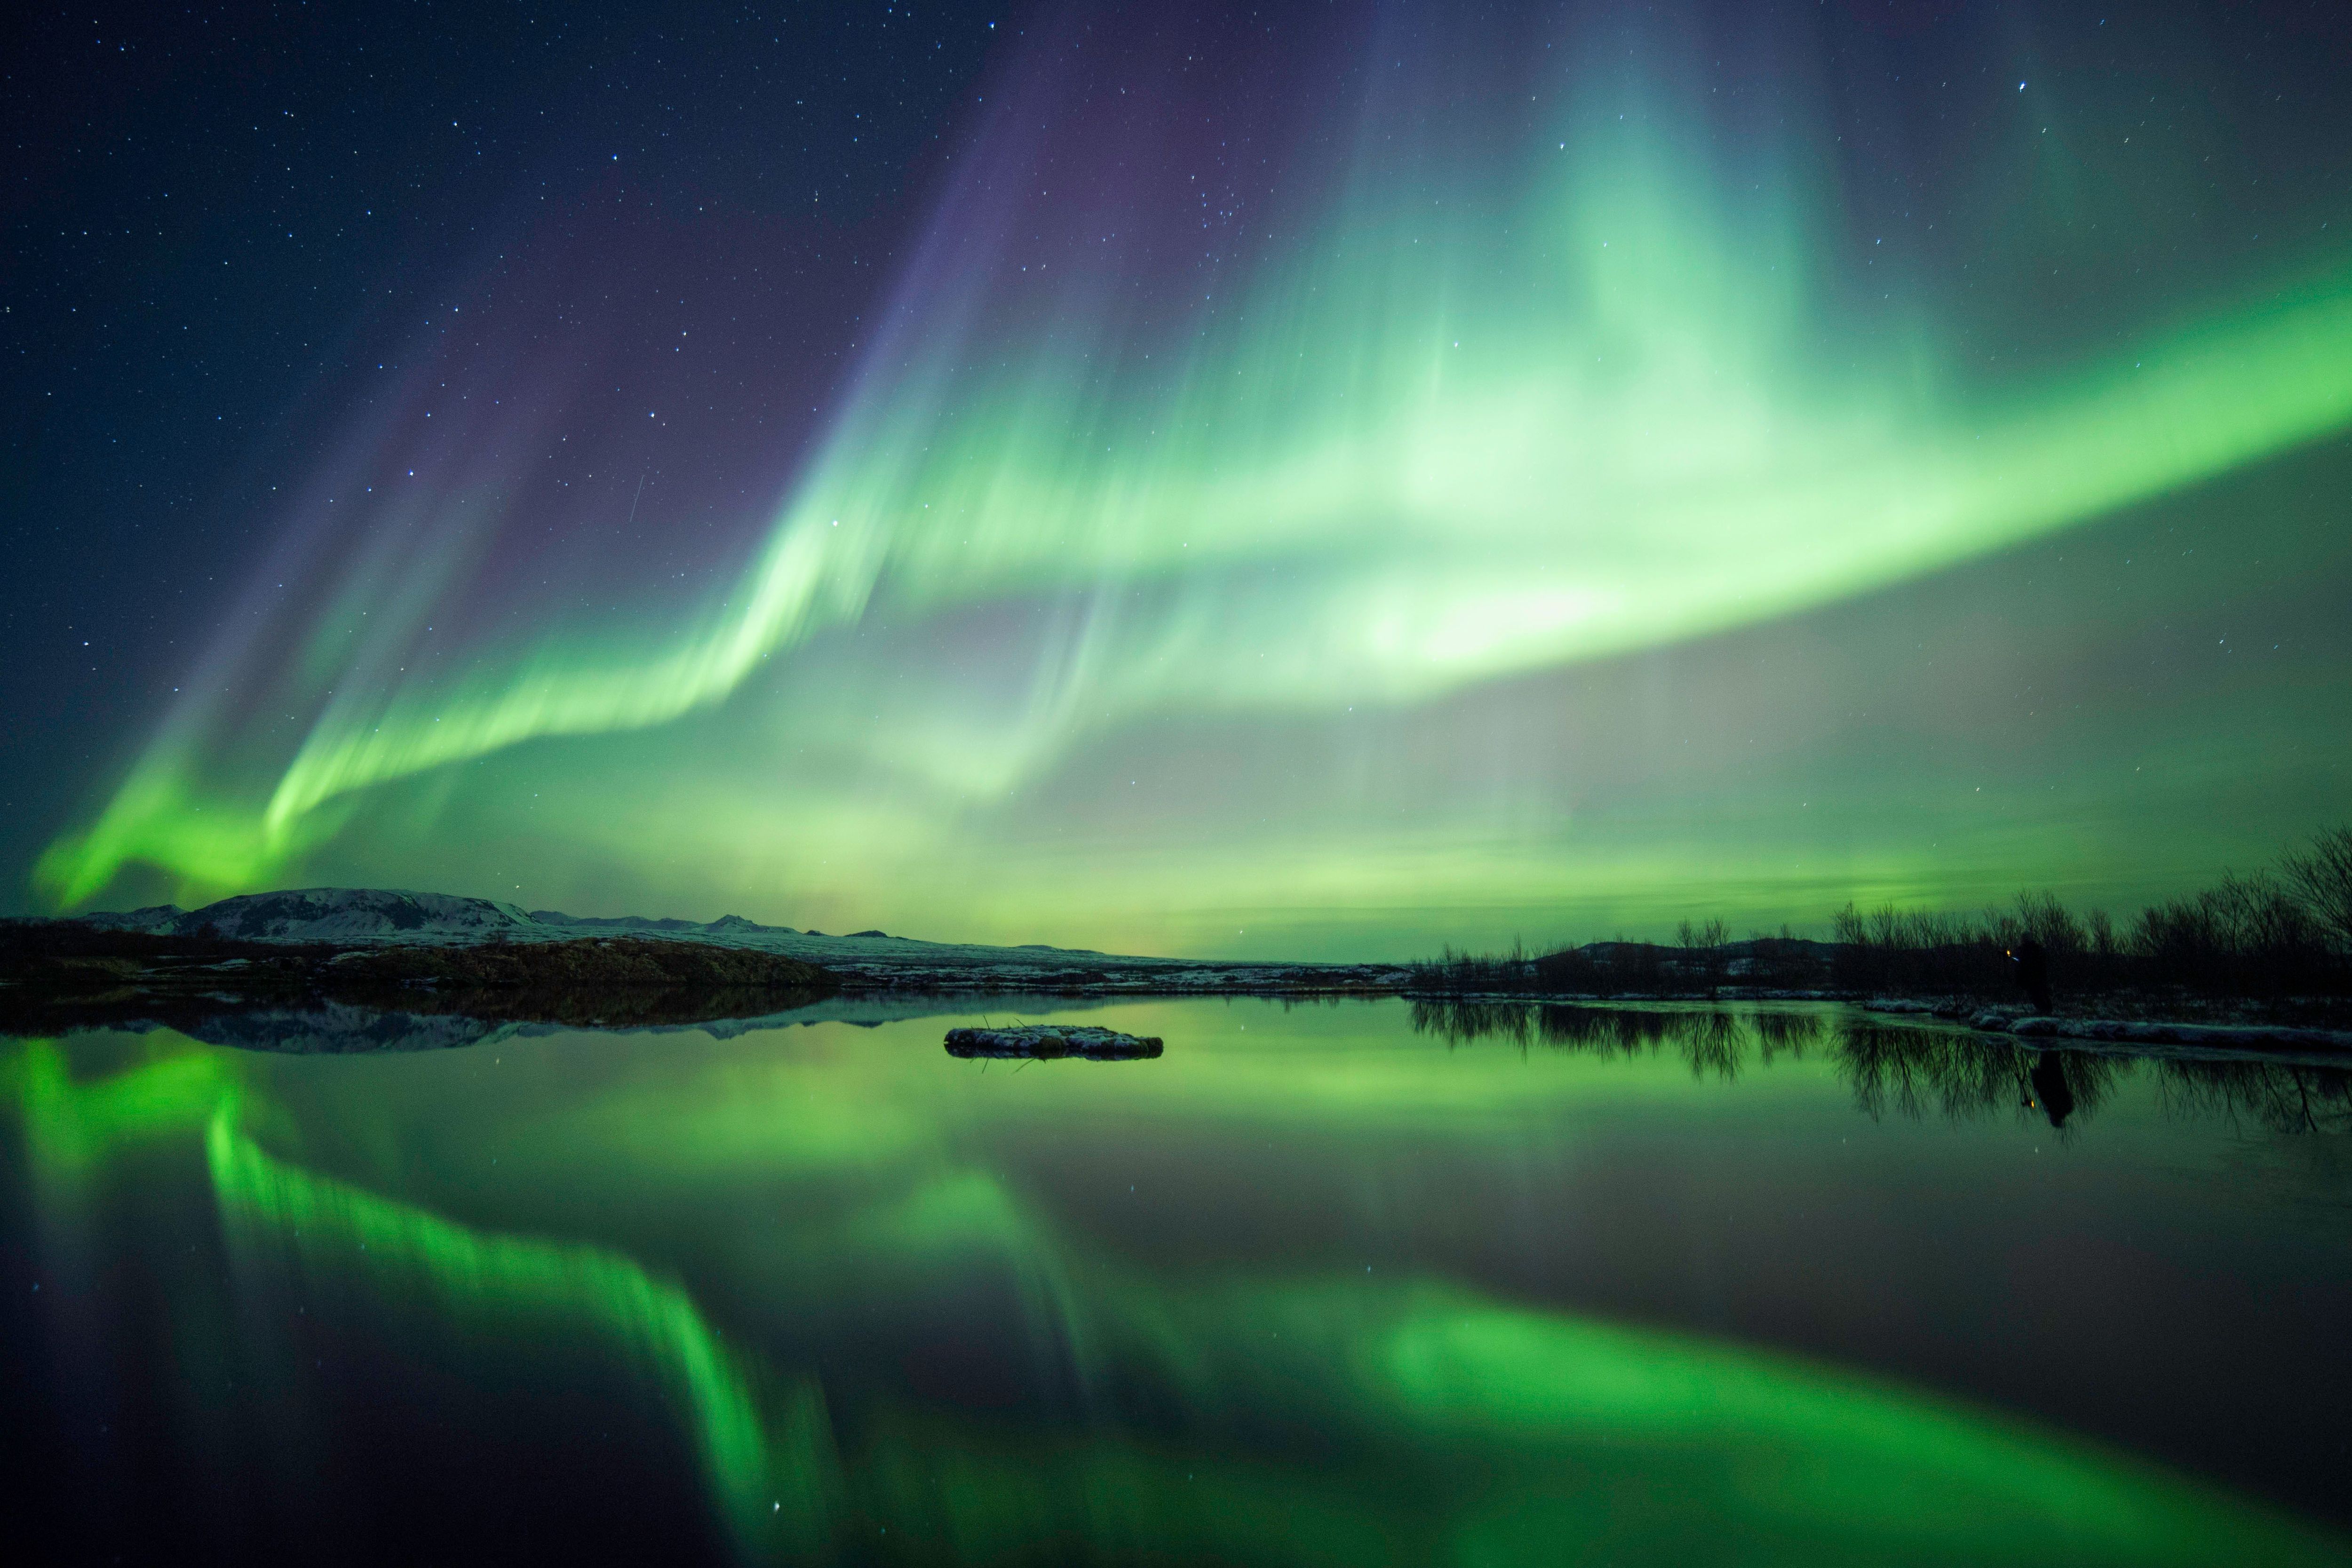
[
  {"x": 1801, "y": 1454},
  {"x": 421, "y": 1258},
  {"x": 72, "y": 1129},
  {"x": 1277, "y": 1410}
]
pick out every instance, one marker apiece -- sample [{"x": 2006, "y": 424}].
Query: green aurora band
[{"x": 1612, "y": 404}]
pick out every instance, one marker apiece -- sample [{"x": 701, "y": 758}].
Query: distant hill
[
  {"x": 361, "y": 919},
  {"x": 331, "y": 914},
  {"x": 669, "y": 923},
  {"x": 385, "y": 914},
  {"x": 372, "y": 917}
]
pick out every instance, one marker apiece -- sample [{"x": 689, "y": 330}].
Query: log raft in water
[{"x": 1048, "y": 1041}]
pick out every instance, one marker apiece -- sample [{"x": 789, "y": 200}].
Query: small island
[{"x": 1051, "y": 1042}]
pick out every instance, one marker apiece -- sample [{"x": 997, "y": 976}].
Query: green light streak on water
[
  {"x": 1443, "y": 1427},
  {"x": 1292, "y": 1413},
  {"x": 73, "y": 1129},
  {"x": 1804, "y": 1452},
  {"x": 509, "y": 1283},
  {"x": 1607, "y": 406}
]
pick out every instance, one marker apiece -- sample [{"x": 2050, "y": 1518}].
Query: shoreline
[{"x": 60, "y": 975}]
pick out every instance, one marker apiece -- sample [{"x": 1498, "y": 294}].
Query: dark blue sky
[{"x": 219, "y": 219}]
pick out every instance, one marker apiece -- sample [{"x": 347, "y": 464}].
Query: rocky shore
[
  {"x": 298, "y": 955},
  {"x": 62, "y": 974}
]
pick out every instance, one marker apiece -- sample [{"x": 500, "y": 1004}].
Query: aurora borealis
[{"x": 1309, "y": 486}]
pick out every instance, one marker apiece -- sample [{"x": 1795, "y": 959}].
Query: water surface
[{"x": 1366, "y": 1283}]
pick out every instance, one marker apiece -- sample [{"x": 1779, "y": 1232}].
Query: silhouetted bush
[
  {"x": 2264, "y": 936},
  {"x": 2248, "y": 937},
  {"x": 2256, "y": 936},
  {"x": 1704, "y": 953},
  {"x": 1510, "y": 973},
  {"x": 1699, "y": 964},
  {"x": 1896, "y": 952},
  {"x": 2320, "y": 877}
]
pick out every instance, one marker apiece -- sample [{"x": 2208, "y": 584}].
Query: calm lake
[{"x": 1333, "y": 1284}]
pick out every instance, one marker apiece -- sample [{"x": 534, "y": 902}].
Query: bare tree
[
  {"x": 2320, "y": 877},
  {"x": 1703, "y": 952}
]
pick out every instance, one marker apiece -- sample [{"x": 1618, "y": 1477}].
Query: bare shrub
[{"x": 2320, "y": 876}]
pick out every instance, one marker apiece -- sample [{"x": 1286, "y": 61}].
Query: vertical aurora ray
[{"x": 1465, "y": 397}]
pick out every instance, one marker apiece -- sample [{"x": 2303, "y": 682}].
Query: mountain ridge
[{"x": 400, "y": 917}]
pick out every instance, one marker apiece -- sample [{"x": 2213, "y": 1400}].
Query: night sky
[{"x": 1310, "y": 481}]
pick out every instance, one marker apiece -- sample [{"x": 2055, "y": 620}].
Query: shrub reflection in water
[{"x": 1906, "y": 1070}]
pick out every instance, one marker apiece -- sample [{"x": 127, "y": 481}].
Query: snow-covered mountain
[
  {"x": 378, "y": 917},
  {"x": 722, "y": 926},
  {"x": 333, "y": 914},
  {"x": 160, "y": 919},
  {"x": 369, "y": 916}
]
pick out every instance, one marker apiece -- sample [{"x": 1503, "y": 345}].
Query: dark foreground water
[{"x": 1346, "y": 1285}]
